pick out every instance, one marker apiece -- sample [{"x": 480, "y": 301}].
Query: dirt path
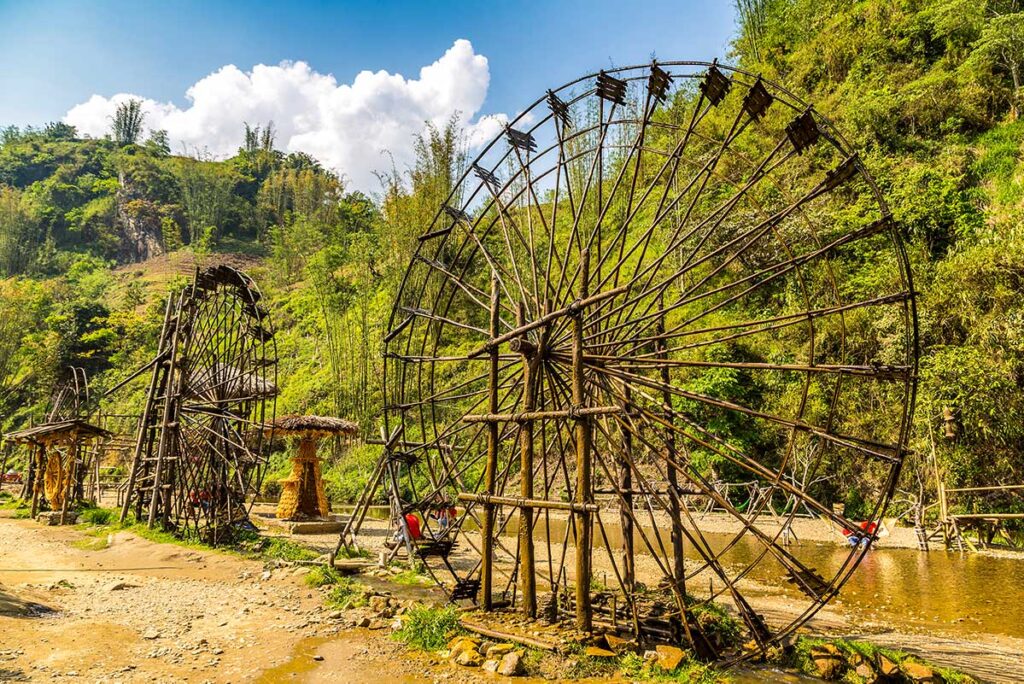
[{"x": 140, "y": 611}]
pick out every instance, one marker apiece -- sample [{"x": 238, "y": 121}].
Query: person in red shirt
[{"x": 413, "y": 523}]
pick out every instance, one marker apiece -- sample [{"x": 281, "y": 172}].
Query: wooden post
[
  {"x": 170, "y": 390},
  {"x": 37, "y": 479},
  {"x": 584, "y": 486},
  {"x": 678, "y": 557},
  {"x": 626, "y": 508},
  {"x": 145, "y": 418},
  {"x": 69, "y": 483},
  {"x": 491, "y": 467},
  {"x": 527, "y": 571}
]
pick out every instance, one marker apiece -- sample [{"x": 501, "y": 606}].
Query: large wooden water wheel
[
  {"x": 653, "y": 282},
  {"x": 200, "y": 450}
]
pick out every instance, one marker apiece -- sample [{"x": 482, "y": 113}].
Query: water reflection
[{"x": 903, "y": 588}]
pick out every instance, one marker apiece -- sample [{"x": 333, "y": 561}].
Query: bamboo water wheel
[
  {"x": 200, "y": 455},
  {"x": 656, "y": 273}
]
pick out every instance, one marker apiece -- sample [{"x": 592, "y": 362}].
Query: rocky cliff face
[{"x": 139, "y": 222}]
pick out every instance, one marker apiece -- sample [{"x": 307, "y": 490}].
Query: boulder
[
  {"x": 918, "y": 673},
  {"x": 509, "y": 666},
  {"x": 498, "y": 650},
  {"x": 669, "y": 657},
  {"x": 597, "y": 652},
  {"x": 828, "y": 661},
  {"x": 618, "y": 644},
  {"x": 490, "y": 665},
  {"x": 53, "y": 518},
  {"x": 887, "y": 666},
  {"x": 469, "y": 658}
]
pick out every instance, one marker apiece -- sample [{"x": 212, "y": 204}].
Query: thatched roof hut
[
  {"x": 60, "y": 431},
  {"x": 313, "y": 426},
  {"x": 303, "y": 495}
]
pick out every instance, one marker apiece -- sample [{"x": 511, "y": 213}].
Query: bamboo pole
[
  {"x": 69, "y": 484},
  {"x": 527, "y": 571},
  {"x": 626, "y": 505},
  {"x": 528, "y": 503},
  {"x": 37, "y": 479},
  {"x": 584, "y": 614},
  {"x": 145, "y": 417},
  {"x": 491, "y": 467}
]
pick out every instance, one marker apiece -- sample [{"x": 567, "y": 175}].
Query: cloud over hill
[{"x": 348, "y": 126}]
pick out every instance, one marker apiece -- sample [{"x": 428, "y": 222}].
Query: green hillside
[{"x": 94, "y": 231}]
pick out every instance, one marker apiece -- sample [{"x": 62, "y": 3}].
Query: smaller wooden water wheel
[
  {"x": 200, "y": 451},
  {"x": 302, "y": 493}
]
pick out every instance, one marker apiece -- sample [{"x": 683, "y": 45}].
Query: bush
[
  {"x": 96, "y": 516},
  {"x": 322, "y": 576},
  {"x": 346, "y": 594},
  {"x": 427, "y": 628}
]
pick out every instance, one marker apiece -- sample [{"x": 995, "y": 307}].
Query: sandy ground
[
  {"x": 198, "y": 616},
  {"x": 145, "y": 612},
  {"x": 990, "y": 657}
]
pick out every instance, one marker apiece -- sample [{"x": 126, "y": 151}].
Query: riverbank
[
  {"x": 77, "y": 607},
  {"x": 139, "y": 611}
]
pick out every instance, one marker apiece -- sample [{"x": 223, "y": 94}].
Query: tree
[
  {"x": 158, "y": 141},
  {"x": 58, "y": 130},
  {"x": 128, "y": 119},
  {"x": 19, "y": 233},
  {"x": 1002, "y": 40}
]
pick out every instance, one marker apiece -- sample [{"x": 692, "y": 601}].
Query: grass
[
  {"x": 352, "y": 552},
  {"x": 412, "y": 578},
  {"x": 322, "y": 576},
  {"x": 345, "y": 594},
  {"x": 691, "y": 671},
  {"x": 96, "y": 516},
  {"x": 801, "y": 659},
  {"x": 429, "y": 628}
]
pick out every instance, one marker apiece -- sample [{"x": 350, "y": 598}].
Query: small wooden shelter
[
  {"x": 58, "y": 464},
  {"x": 302, "y": 492}
]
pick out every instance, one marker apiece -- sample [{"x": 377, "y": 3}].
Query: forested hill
[{"x": 927, "y": 90}]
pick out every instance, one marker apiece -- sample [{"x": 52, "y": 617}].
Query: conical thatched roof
[{"x": 315, "y": 426}]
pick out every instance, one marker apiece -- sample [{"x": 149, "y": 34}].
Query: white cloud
[{"x": 347, "y": 126}]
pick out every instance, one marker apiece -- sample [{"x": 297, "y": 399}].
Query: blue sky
[{"x": 56, "y": 54}]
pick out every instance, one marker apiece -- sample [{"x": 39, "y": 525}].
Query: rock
[
  {"x": 866, "y": 672},
  {"x": 490, "y": 665},
  {"x": 378, "y": 603},
  {"x": 669, "y": 657},
  {"x": 650, "y": 656},
  {"x": 53, "y": 518},
  {"x": 460, "y": 645},
  {"x": 828, "y": 661},
  {"x": 119, "y": 586},
  {"x": 364, "y": 622},
  {"x": 509, "y": 666},
  {"x": 318, "y": 657},
  {"x": 265, "y": 575},
  {"x": 886, "y": 666},
  {"x": 597, "y": 652},
  {"x": 497, "y": 650},
  {"x": 918, "y": 673},
  {"x": 469, "y": 658},
  {"x": 151, "y": 634},
  {"x": 618, "y": 644}
]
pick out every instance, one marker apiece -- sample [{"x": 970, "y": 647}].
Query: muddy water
[{"x": 960, "y": 594}]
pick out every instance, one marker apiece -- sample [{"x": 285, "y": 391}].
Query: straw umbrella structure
[
  {"x": 59, "y": 460},
  {"x": 302, "y": 492}
]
